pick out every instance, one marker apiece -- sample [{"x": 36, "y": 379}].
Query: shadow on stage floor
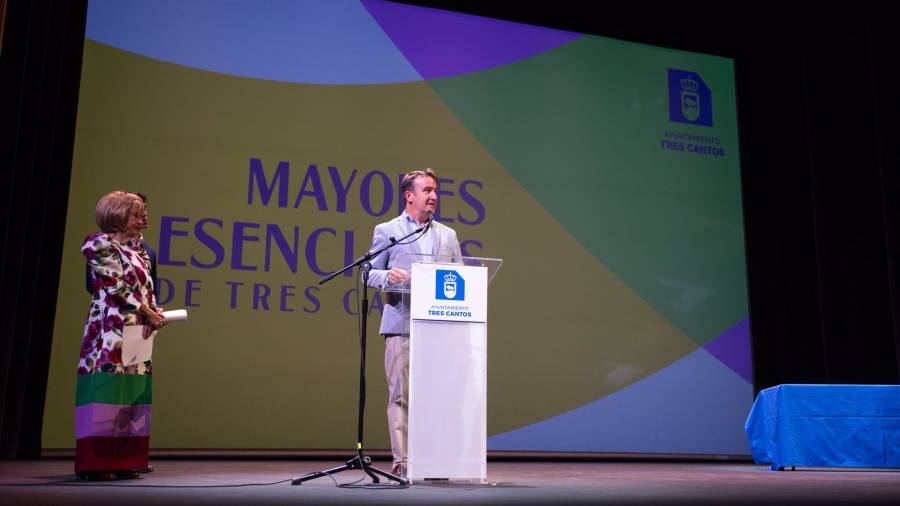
[{"x": 206, "y": 481}]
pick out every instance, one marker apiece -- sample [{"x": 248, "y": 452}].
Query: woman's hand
[{"x": 153, "y": 319}]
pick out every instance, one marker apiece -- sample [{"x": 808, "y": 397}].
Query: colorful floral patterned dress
[{"x": 112, "y": 413}]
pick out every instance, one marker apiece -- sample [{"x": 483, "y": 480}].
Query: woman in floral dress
[{"x": 112, "y": 414}]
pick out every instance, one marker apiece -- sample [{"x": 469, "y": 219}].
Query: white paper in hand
[
  {"x": 175, "y": 315},
  {"x": 136, "y": 349}
]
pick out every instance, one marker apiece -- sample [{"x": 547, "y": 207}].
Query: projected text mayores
[{"x": 213, "y": 243}]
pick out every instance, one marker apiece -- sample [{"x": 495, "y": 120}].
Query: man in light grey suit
[{"x": 419, "y": 189}]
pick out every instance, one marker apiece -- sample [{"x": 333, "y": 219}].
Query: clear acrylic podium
[{"x": 447, "y": 425}]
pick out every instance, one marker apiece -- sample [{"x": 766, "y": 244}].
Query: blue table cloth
[{"x": 826, "y": 426}]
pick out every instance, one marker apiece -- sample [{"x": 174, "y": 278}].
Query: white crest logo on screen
[{"x": 690, "y": 99}]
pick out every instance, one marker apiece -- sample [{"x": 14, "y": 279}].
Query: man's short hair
[
  {"x": 409, "y": 179},
  {"x": 114, "y": 208}
]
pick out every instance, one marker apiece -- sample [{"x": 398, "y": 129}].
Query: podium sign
[{"x": 448, "y": 292}]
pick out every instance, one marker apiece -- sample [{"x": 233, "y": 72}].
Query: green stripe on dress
[{"x": 114, "y": 389}]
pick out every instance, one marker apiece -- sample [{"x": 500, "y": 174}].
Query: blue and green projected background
[{"x": 270, "y": 138}]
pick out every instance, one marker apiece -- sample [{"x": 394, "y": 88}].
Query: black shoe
[{"x": 144, "y": 470}]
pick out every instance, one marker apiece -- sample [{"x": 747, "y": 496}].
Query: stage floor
[{"x": 218, "y": 482}]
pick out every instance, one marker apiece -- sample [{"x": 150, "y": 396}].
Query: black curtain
[
  {"x": 818, "y": 115},
  {"x": 818, "y": 112},
  {"x": 40, "y": 64}
]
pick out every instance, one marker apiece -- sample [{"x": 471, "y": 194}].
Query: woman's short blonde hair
[{"x": 114, "y": 208}]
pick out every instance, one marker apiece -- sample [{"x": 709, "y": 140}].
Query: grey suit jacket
[{"x": 395, "y": 318}]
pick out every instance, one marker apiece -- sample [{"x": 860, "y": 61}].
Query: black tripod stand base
[{"x": 358, "y": 462}]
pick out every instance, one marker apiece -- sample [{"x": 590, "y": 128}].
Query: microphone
[{"x": 430, "y": 221}]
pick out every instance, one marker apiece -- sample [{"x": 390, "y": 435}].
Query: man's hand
[{"x": 397, "y": 276}]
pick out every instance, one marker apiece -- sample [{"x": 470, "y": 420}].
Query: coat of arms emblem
[
  {"x": 450, "y": 285},
  {"x": 690, "y": 99}
]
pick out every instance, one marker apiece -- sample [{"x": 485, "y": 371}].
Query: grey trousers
[{"x": 396, "y": 369}]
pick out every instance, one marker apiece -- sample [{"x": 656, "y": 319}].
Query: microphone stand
[{"x": 360, "y": 460}]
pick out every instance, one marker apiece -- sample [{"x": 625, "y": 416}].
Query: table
[{"x": 826, "y": 426}]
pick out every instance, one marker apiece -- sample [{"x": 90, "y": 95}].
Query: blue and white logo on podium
[
  {"x": 438, "y": 292},
  {"x": 449, "y": 285}
]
